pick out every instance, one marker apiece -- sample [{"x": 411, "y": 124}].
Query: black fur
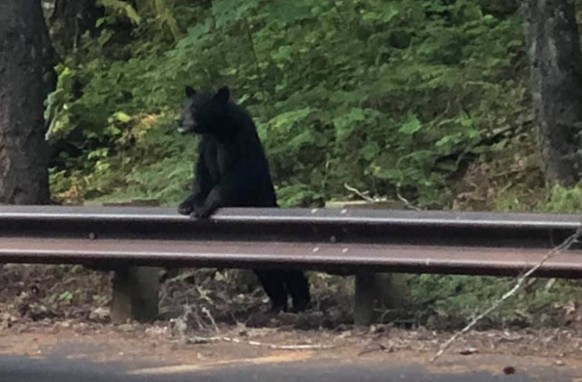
[{"x": 232, "y": 171}]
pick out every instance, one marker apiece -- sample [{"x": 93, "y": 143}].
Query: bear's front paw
[
  {"x": 200, "y": 213},
  {"x": 185, "y": 208}
]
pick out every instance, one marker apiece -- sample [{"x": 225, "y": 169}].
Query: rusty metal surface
[
  {"x": 414, "y": 259},
  {"x": 299, "y": 225},
  {"x": 403, "y": 241}
]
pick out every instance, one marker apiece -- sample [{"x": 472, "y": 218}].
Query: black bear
[{"x": 232, "y": 171}]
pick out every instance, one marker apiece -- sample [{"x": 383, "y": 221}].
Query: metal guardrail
[{"x": 326, "y": 239}]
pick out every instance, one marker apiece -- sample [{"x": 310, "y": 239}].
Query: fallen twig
[
  {"x": 566, "y": 244},
  {"x": 360, "y": 193},
  {"x": 209, "y": 315},
  {"x": 205, "y": 340},
  {"x": 407, "y": 203}
]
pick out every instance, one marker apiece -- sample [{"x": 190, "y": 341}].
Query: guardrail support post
[
  {"x": 135, "y": 294},
  {"x": 135, "y": 289},
  {"x": 375, "y": 291},
  {"x": 365, "y": 298}
]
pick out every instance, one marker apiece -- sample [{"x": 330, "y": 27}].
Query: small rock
[
  {"x": 157, "y": 330},
  {"x": 468, "y": 351},
  {"x": 100, "y": 314},
  {"x": 126, "y": 327}
]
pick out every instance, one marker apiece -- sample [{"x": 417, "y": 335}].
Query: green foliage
[
  {"x": 57, "y": 110},
  {"x": 386, "y": 96},
  {"x": 122, "y": 8},
  {"x": 453, "y": 300},
  {"x": 564, "y": 200},
  {"x": 558, "y": 199}
]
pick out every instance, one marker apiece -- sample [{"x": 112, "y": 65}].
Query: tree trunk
[
  {"x": 24, "y": 85},
  {"x": 556, "y": 72}
]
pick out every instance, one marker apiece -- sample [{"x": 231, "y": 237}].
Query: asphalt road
[
  {"x": 57, "y": 369},
  {"x": 104, "y": 356}
]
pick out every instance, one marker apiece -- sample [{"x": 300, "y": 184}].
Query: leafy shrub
[{"x": 387, "y": 96}]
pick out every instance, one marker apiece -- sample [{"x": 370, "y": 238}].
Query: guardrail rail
[{"x": 337, "y": 240}]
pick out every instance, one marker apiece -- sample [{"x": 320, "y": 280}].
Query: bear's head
[{"x": 203, "y": 113}]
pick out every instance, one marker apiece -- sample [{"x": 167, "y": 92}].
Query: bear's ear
[
  {"x": 222, "y": 95},
  {"x": 189, "y": 90}
]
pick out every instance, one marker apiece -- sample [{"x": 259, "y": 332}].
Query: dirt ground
[
  {"x": 205, "y": 318},
  {"x": 153, "y": 350}
]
